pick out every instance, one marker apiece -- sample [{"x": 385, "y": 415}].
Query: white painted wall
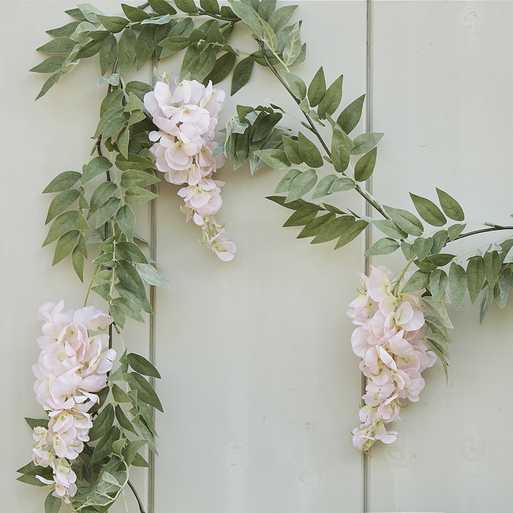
[{"x": 261, "y": 393}]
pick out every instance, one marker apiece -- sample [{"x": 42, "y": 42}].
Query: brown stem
[{"x": 137, "y": 498}]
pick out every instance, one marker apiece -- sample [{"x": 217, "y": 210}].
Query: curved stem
[
  {"x": 495, "y": 228},
  {"x": 137, "y": 498},
  {"x": 363, "y": 193}
]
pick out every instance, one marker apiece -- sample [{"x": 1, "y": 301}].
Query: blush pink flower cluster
[
  {"x": 389, "y": 339},
  {"x": 186, "y": 152},
  {"x": 71, "y": 369}
]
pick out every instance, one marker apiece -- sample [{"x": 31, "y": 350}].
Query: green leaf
[
  {"x": 450, "y": 206},
  {"x": 58, "y": 46},
  {"x": 187, "y": 6},
  {"x": 333, "y": 229},
  {"x": 103, "y": 423},
  {"x": 150, "y": 275},
  {"x": 281, "y": 16},
  {"x": 106, "y": 212},
  {"x": 492, "y": 265},
  {"x": 242, "y": 74},
  {"x": 65, "y": 245},
  {"x": 50, "y": 65},
  {"x": 162, "y": 7},
  {"x": 49, "y": 84},
  {"x": 422, "y": 247},
  {"x": 296, "y": 84},
  {"x": 438, "y": 284},
  {"x": 274, "y": 158},
  {"x": 301, "y": 217},
  {"x": 90, "y": 49},
  {"x": 331, "y": 99},
  {"x": 302, "y": 184},
  {"x": 101, "y": 195},
  {"x": 417, "y": 281},
  {"x": 126, "y": 51},
  {"x": 437, "y": 310},
  {"x": 61, "y": 202},
  {"x": 309, "y": 152},
  {"x": 138, "y": 179},
  {"x": 441, "y": 259},
  {"x": 210, "y": 5},
  {"x": 123, "y": 141},
  {"x": 113, "y": 23},
  {"x": 222, "y": 68},
  {"x": 142, "y": 365},
  {"x": 145, "y": 391},
  {"x": 64, "y": 31},
  {"x": 126, "y": 221},
  {"x": 455, "y": 230},
  {"x": 324, "y": 186},
  {"x": 96, "y": 167},
  {"x": 365, "y": 166},
  {"x": 383, "y": 246},
  {"x": 108, "y": 54},
  {"x": 123, "y": 420},
  {"x": 52, "y": 504},
  {"x": 134, "y": 13},
  {"x": 78, "y": 261},
  {"x": 351, "y": 232},
  {"x": 351, "y": 115},
  {"x": 428, "y": 210},
  {"x": 405, "y": 220},
  {"x": 457, "y": 284},
  {"x": 291, "y": 148},
  {"x": 475, "y": 276},
  {"x": 130, "y": 252},
  {"x": 64, "y": 223},
  {"x": 366, "y": 142},
  {"x": 33, "y": 423},
  {"x": 390, "y": 229},
  {"x": 341, "y": 146},
  {"x": 317, "y": 88},
  {"x": 313, "y": 227},
  {"x": 120, "y": 396},
  {"x": 286, "y": 181}
]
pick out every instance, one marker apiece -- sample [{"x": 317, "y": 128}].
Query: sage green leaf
[
  {"x": 291, "y": 148},
  {"x": 90, "y": 49},
  {"x": 440, "y": 239},
  {"x": 242, "y": 74},
  {"x": 317, "y": 88},
  {"x": 341, "y": 146},
  {"x": 422, "y": 247},
  {"x": 301, "y": 217},
  {"x": 457, "y": 284},
  {"x": 274, "y": 158},
  {"x": 134, "y": 13},
  {"x": 331, "y": 100},
  {"x": 492, "y": 265},
  {"x": 222, "y": 68},
  {"x": 342, "y": 183},
  {"x": 333, "y": 229},
  {"x": 383, "y": 246},
  {"x": 150, "y": 275},
  {"x": 441, "y": 259},
  {"x": 123, "y": 142},
  {"x": 285, "y": 182},
  {"x": 126, "y": 51},
  {"x": 405, "y": 220},
  {"x": 113, "y": 24},
  {"x": 142, "y": 365},
  {"x": 65, "y": 245},
  {"x": 313, "y": 227},
  {"x": 351, "y": 232},
  {"x": 130, "y": 252},
  {"x": 475, "y": 276},
  {"x": 123, "y": 420},
  {"x": 104, "y": 447},
  {"x": 281, "y": 16},
  {"x": 63, "y": 223},
  {"x": 145, "y": 391},
  {"x": 296, "y": 84},
  {"x": 159, "y": 20},
  {"x": 210, "y": 5},
  {"x": 139, "y": 461},
  {"x": 428, "y": 210},
  {"x": 351, "y": 115},
  {"x": 101, "y": 195},
  {"x": 407, "y": 250},
  {"x": 106, "y": 212},
  {"x": 505, "y": 285},
  {"x": 58, "y": 46},
  {"x": 50, "y": 65},
  {"x": 96, "y": 167},
  {"x": 108, "y": 54},
  {"x": 126, "y": 221},
  {"x": 366, "y": 142},
  {"x": 162, "y": 7},
  {"x": 65, "y": 30},
  {"x": 187, "y": 6},
  {"x": 365, "y": 166},
  {"x": 255, "y": 22},
  {"x": 438, "y": 310},
  {"x": 389, "y": 228},
  {"x": 438, "y": 284},
  {"x": 52, "y": 504},
  {"x": 52, "y": 80},
  {"x": 61, "y": 203},
  {"x": 33, "y": 423},
  {"x": 455, "y": 231},
  {"x": 450, "y": 206},
  {"x": 138, "y": 178},
  {"x": 78, "y": 261},
  {"x": 302, "y": 184},
  {"x": 324, "y": 186},
  {"x": 120, "y": 396},
  {"x": 308, "y": 152},
  {"x": 103, "y": 423},
  {"x": 417, "y": 281}
]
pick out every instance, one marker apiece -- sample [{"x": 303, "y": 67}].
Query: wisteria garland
[{"x": 101, "y": 406}]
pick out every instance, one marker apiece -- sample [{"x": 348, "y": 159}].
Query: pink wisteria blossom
[
  {"x": 389, "y": 339},
  {"x": 186, "y": 153},
  {"x": 71, "y": 369}
]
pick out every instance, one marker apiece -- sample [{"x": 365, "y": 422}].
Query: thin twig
[
  {"x": 495, "y": 228},
  {"x": 137, "y": 498}
]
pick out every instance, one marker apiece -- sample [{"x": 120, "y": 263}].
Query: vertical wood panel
[
  {"x": 258, "y": 372},
  {"x": 442, "y": 83}
]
